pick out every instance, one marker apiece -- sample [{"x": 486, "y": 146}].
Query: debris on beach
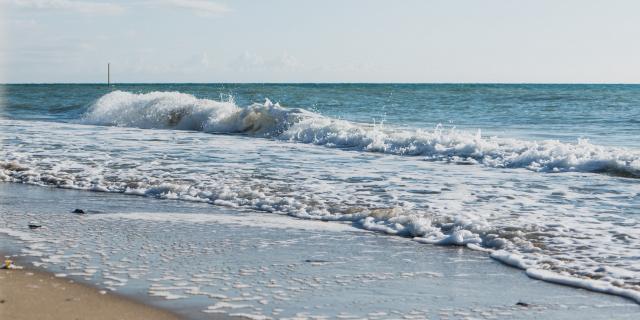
[
  {"x": 8, "y": 264},
  {"x": 33, "y": 225},
  {"x": 523, "y": 304},
  {"x": 78, "y": 211},
  {"x": 316, "y": 261}
]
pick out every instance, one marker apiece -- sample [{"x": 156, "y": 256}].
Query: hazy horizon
[
  {"x": 330, "y": 83},
  {"x": 199, "y": 41}
]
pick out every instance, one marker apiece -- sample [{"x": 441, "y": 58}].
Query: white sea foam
[
  {"x": 560, "y": 222},
  {"x": 265, "y": 221},
  {"x": 589, "y": 284},
  {"x": 175, "y": 110}
]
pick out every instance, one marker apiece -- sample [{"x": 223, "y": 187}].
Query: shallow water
[
  {"x": 511, "y": 178},
  {"x": 199, "y": 260}
]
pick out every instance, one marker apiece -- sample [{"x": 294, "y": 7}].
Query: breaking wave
[{"x": 175, "y": 110}]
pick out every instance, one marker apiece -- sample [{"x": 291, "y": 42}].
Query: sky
[{"x": 494, "y": 41}]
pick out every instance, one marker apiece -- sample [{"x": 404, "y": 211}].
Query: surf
[{"x": 181, "y": 111}]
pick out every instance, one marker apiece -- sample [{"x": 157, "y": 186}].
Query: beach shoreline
[
  {"x": 230, "y": 259},
  {"x": 35, "y": 294},
  {"x": 25, "y": 286}
]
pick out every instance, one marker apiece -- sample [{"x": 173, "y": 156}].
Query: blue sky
[{"x": 320, "y": 41}]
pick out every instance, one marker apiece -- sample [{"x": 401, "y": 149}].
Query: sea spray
[{"x": 175, "y": 110}]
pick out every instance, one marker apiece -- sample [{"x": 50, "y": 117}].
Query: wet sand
[{"x": 29, "y": 294}]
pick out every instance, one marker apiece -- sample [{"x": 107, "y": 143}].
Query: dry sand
[{"x": 28, "y": 294}]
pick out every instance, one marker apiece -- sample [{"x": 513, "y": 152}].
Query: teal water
[
  {"x": 604, "y": 114},
  {"x": 540, "y": 177}
]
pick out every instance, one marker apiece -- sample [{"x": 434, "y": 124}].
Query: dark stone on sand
[
  {"x": 34, "y": 226},
  {"x": 78, "y": 211}
]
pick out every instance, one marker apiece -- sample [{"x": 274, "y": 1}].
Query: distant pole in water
[{"x": 108, "y": 74}]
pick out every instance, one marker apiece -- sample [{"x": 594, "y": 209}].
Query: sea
[{"x": 544, "y": 178}]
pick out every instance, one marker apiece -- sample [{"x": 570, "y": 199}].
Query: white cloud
[
  {"x": 3, "y": 50},
  {"x": 247, "y": 61},
  {"x": 250, "y": 61},
  {"x": 196, "y": 62},
  {"x": 22, "y": 23},
  {"x": 285, "y": 61},
  {"x": 88, "y": 7},
  {"x": 200, "y": 7}
]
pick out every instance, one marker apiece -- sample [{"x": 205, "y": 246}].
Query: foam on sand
[
  {"x": 251, "y": 220},
  {"x": 589, "y": 284}
]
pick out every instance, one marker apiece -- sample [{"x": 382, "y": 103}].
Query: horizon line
[{"x": 322, "y": 83}]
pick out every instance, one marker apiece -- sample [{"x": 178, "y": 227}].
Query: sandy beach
[{"x": 28, "y": 294}]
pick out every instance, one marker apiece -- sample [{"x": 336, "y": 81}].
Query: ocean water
[
  {"x": 200, "y": 260},
  {"x": 545, "y": 178}
]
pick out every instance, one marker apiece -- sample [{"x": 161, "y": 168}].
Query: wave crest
[{"x": 175, "y": 110}]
